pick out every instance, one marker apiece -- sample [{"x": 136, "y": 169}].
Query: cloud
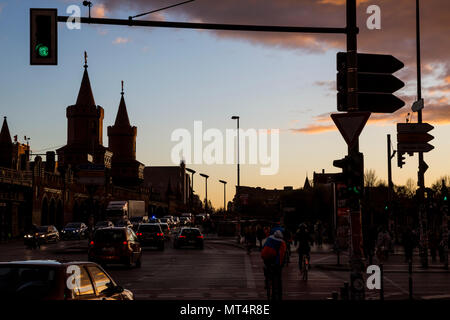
[
  {"x": 121, "y": 40},
  {"x": 99, "y": 11},
  {"x": 397, "y": 36}
]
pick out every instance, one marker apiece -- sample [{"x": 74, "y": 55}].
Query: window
[
  {"x": 85, "y": 285},
  {"x": 100, "y": 279}
]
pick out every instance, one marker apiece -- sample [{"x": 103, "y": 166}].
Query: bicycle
[
  {"x": 272, "y": 287},
  {"x": 305, "y": 267}
]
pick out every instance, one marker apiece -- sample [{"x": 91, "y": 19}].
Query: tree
[
  {"x": 370, "y": 178},
  {"x": 410, "y": 187},
  {"x": 436, "y": 186}
]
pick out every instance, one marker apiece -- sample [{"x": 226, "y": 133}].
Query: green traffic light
[
  {"x": 386, "y": 207},
  {"x": 445, "y": 198},
  {"x": 42, "y": 50}
]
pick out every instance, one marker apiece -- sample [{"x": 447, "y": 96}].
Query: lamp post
[
  {"x": 224, "y": 196},
  {"x": 191, "y": 200},
  {"x": 238, "y": 169},
  {"x": 206, "y": 191}
]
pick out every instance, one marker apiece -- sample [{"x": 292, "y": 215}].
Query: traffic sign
[
  {"x": 413, "y": 137},
  {"x": 413, "y": 127},
  {"x": 350, "y": 125},
  {"x": 367, "y": 62},
  {"x": 375, "y": 83},
  {"x": 414, "y": 147}
]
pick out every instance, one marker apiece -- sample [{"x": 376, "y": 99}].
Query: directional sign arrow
[
  {"x": 378, "y": 63},
  {"x": 414, "y": 147},
  {"x": 414, "y": 137},
  {"x": 414, "y": 127},
  {"x": 350, "y": 125},
  {"x": 372, "y": 82},
  {"x": 382, "y": 103}
]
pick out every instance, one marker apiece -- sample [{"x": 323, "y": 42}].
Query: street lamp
[
  {"x": 238, "y": 170},
  {"x": 206, "y": 191},
  {"x": 192, "y": 187},
  {"x": 224, "y": 196}
]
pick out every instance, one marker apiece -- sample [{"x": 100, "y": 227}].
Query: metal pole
[
  {"x": 421, "y": 172},
  {"x": 206, "y": 196},
  {"x": 390, "y": 184},
  {"x": 382, "y": 282},
  {"x": 410, "y": 280},
  {"x": 356, "y": 255},
  {"x": 238, "y": 159}
]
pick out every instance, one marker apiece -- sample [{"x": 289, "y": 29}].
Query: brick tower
[
  {"x": 125, "y": 169},
  {"x": 84, "y": 130}
]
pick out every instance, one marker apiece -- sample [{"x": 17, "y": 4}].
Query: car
[
  {"x": 151, "y": 234},
  {"x": 168, "y": 221},
  {"x": 188, "y": 237},
  {"x": 45, "y": 234},
  {"x": 124, "y": 223},
  {"x": 103, "y": 224},
  {"x": 138, "y": 220},
  {"x": 176, "y": 221},
  {"x": 154, "y": 220},
  {"x": 74, "y": 230},
  {"x": 115, "y": 245},
  {"x": 165, "y": 229},
  {"x": 58, "y": 280},
  {"x": 185, "y": 221}
]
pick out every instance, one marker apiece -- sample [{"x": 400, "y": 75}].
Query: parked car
[
  {"x": 48, "y": 280},
  {"x": 176, "y": 221},
  {"x": 45, "y": 234},
  {"x": 115, "y": 245},
  {"x": 166, "y": 220},
  {"x": 151, "y": 234},
  {"x": 188, "y": 237},
  {"x": 103, "y": 224},
  {"x": 74, "y": 230}
]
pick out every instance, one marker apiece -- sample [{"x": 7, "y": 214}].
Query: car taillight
[
  {"x": 125, "y": 243},
  {"x": 159, "y": 234},
  {"x": 139, "y": 234},
  {"x": 91, "y": 243},
  {"x": 200, "y": 237},
  {"x": 182, "y": 237}
]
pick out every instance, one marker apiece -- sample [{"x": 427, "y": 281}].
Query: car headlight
[
  {"x": 42, "y": 235},
  {"x": 63, "y": 231},
  {"x": 28, "y": 236}
]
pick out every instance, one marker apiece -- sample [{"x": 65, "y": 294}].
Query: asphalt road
[{"x": 223, "y": 270}]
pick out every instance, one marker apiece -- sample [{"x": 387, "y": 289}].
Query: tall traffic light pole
[
  {"x": 356, "y": 253},
  {"x": 422, "y": 165}
]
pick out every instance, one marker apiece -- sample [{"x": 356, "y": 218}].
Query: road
[{"x": 224, "y": 271}]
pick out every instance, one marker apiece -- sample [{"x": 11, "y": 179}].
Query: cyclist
[
  {"x": 272, "y": 254},
  {"x": 302, "y": 241}
]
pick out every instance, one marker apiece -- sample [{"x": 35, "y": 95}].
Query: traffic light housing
[
  {"x": 376, "y": 84},
  {"x": 43, "y": 37},
  {"x": 353, "y": 172},
  {"x": 400, "y": 159}
]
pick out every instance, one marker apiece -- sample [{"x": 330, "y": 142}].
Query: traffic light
[
  {"x": 376, "y": 84},
  {"x": 43, "y": 37},
  {"x": 400, "y": 159},
  {"x": 356, "y": 175}
]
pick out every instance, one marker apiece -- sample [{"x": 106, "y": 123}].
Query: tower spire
[
  {"x": 85, "y": 96},
  {"x": 5, "y": 136},
  {"x": 122, "y": 119}
]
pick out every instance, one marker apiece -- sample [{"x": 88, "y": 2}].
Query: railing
[{"x": 15, "y": 177}]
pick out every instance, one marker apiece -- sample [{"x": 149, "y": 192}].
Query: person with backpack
[{"x": 272, "y": 254}]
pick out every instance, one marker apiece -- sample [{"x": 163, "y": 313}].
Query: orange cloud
[
  {"x": 99, "y": 11},
  {"x": 120, "y": 40}
]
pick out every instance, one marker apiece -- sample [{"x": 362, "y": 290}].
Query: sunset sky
[{"x": 174, "y": 77}]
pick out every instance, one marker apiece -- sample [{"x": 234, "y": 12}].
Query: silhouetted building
[
  {"x": 126, "y": 170},
  {"x": 84, "y": 131},
  {"x": 169, "y": 183},
  {"x": 6, "y": 146}
]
